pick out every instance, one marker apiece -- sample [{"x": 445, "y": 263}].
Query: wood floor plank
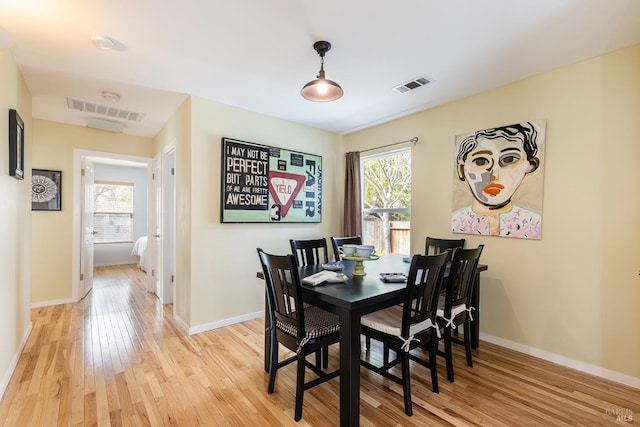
[{"x": 117, "y": 358}]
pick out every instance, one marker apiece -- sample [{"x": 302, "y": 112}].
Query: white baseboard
[
  {"x": 52, "y": 302},
  {"x": 14, "y": 361},
  {"x": 181, "y": 323},
  {"x": 564, "y": 361},
  {"x": 226, "y": 322}
]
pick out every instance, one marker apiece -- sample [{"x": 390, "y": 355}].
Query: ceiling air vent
[
  {"x": 412, "y": 84},
  {"x": 106, "y": 110}
]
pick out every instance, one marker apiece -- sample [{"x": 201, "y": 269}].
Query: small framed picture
[
  {"x": 46, "y": 190},
  {"x": 16, "y": 145}
]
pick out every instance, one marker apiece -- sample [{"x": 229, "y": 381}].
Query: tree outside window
[{"x": 387, "y": 201}]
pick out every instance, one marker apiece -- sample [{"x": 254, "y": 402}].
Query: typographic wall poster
[
  {"x": 269, "y": 184},
  {"x": 498, "y": 181}
]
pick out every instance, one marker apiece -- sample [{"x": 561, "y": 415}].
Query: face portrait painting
[{"x": 498, "y": 181}]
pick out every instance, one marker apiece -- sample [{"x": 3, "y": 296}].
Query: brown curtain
[{"x": 352, "y": 196}]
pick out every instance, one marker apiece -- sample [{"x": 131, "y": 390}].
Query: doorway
[{"x": 80, "y": 250}]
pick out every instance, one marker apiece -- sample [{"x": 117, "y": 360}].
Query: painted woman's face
[{"x": 495, "y": 169}]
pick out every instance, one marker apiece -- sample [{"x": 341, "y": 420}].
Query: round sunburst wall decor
[{"x": 43, "y": 189}]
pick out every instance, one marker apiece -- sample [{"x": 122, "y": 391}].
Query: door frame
[
  {"x": 78, "y": 154},
  {"x": 87, "y": 252},
  {"x": 168, "y": 224},
  {"x": 154, "y": 227}
]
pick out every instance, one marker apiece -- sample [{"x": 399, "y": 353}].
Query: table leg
[{"x": 349, "y": 369}]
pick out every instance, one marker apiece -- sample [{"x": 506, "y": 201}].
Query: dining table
[{"x": 350, "y": 300}]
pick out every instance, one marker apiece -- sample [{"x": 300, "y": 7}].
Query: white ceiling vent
[
  {"x": 110, "y": 125},
  {"x": 106, "y": 110},
  {"x": 412, "y": 84}
]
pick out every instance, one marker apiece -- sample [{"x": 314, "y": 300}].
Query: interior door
[
  {"x": 86, "y": 255},
  {"x": 154, "y": 245},
  {"x": 168, "y": 227}
]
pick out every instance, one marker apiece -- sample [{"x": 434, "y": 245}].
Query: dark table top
[{"x": 359, "y": 292}]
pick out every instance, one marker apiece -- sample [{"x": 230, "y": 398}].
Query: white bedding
[{"x": 140, "y": 250}]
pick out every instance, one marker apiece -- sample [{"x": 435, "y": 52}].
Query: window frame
[
  {"x": 130, "y": 214},
  {"x": 365, "y": 211}
]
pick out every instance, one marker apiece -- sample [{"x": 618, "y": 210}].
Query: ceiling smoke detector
[
  {"x": 412, "y": 84},
  {"x": 103, "y": 42},
  {"x": 110, "y": 96}
]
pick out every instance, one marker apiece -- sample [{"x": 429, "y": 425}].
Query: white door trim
[
  {"x": 78, "y": 154},
  {"x": 168, "y": 224}
]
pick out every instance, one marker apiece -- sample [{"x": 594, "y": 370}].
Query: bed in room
[{"x": 140, "y": 252}]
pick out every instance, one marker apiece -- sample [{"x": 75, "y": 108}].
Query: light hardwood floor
[{"x": 118, "y": 358}]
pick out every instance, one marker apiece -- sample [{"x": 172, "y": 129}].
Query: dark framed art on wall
[
  {"x": 261, "y": 183},
  {"x": 46, "y": 190},
  {"x": 16, "y": 145}
]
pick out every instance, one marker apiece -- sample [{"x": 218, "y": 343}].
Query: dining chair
[
  {"x": 309, "y": 252},
  {"x": 436, "y": 245},
  {"x": 454, "y": 308},
  {"x": 302, "y": 329},
  {"x": 337, "y": 242},
  {"x": 410, "y": 326}
]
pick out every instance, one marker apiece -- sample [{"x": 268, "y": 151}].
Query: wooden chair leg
[
  {"x": 273, "y": 365},
  {"x": 325, "y": 357},
  {"x": 433, "y": 348},
  {"x": 406, "y": 383},
  {"x": 385, "y": 354},
  {"x": 467, "y": 341},
  {"x": 447, "y": 353},
  {"x": 299, "y": 387},
  {"x": 319, "y": 359},
  {"x": 367, "y": 342}
]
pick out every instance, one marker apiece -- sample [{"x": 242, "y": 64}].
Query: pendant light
[{"x": 321, "y": 89}]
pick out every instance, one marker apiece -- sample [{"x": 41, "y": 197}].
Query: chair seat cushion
[
  {"x": 389, "y": 321},
  {"x": 454, "y": 312},
  {"x": 317, "y": 323}
]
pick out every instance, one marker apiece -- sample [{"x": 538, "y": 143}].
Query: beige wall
[
  {"x": 51, "y": 239},
  {"x": 15, "y": 223},
  {"x": 572, "y": 294},
  {"x": 177, "y": 132},
  {"x": 223, "y": 260},
  {"x": 575, "y": 293}
]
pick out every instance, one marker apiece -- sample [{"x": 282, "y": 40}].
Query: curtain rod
[{"x": 413, "y": 140}]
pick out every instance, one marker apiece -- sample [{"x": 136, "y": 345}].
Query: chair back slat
[
  {"x": 424, "y": 283},
  {"x": 284, "y": 293},
  {"x": 461, "y": 278},
  {"x": 436, "y": 246},
  {"x": 310, "y": 252}
]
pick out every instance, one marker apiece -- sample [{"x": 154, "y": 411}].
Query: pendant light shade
[{"x": 321, "y": 89}]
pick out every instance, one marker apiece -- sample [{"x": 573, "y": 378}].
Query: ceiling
[{"x": 257, "y": 54}]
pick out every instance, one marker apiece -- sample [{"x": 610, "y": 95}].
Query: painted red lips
[{"x": 493, "y": 189}]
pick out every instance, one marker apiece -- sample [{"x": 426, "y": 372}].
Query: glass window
[
  {"x": 113, "y": 212},
  {"x": 386, "y": 201}
]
